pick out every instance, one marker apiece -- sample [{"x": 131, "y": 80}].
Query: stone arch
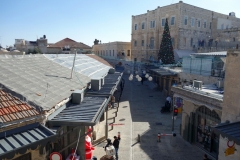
[{"x": 206, "y": 112}]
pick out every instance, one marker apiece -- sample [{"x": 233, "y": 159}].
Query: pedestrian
[
  {"x": 112, "y": 101},
  {"x": 116, "y": 145}
]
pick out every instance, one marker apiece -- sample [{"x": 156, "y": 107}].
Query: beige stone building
[
  {"x": 191, "y": 28},
  {"x": 64, "y": 46},
  {"x": 113, "y": 50},
  {"x": 230, "y": 129}
]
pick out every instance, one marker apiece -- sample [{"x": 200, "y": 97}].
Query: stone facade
[
  {"x": 188, "y": 26},
  {"x": 231, "y": 100},
  {"x": 113, "y": 50}
]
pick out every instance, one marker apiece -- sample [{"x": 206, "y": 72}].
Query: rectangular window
[
  {"x": 205, "y": 24},
  {"x": 109, "y": 52},
  {"x": 142, "y": 42},
  {"x": 143, "y": 25},
  {"x": 106, "y": 53},
  {"x": 163, "y": 22},
  {"x": 193, "y": 22},
  {"x": 152, "y": 24},
  {"x": 135, "y": 43},
  {"x": 172, "y": 42},
  {"x": 135, "y": 27},
  {"x": 172, "y": 20},
  {"x": 226, "y": 26},
  {"x": 113, "y": 52},
  {"x": 210, "y": 25},
  {"x": 199, "y": 23},
  {"x": 128, "y": 53},
  {"x": 222, "y": 26},
  {"x": 185, "y": 20}
]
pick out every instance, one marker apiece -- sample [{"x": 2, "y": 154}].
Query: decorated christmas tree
[{"x": 166, "y": 49}]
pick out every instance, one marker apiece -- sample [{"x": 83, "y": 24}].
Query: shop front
[{"x": 205, "y": 137}]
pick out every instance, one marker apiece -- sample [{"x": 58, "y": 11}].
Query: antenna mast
[{"x": 73, "y": 63}]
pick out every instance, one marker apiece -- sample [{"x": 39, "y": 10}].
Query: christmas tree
[{"x": 166, "y": 49}]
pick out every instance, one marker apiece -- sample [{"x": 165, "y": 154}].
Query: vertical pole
[
  {"x": 173, "y": 114},
  {"x": 73, "y": 64}
]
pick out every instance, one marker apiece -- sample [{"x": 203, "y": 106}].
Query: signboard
[
  {"x": 229, "y": 151},
  {"x": 55, "y": 156}
]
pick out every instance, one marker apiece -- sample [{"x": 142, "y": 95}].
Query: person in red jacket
[{"x": 88, "y": 147}]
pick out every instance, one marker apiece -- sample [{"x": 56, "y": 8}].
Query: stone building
[
  {"x": 64, "y": 46},
  {"x": 229, "y": 130},
  {"x": 113, "y": 50},
  {"x": 191, "y": 28}
]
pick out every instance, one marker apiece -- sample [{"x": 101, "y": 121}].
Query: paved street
[{"x": 139, "y": 112}]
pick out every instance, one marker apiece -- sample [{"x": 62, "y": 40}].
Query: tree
[{"x": 166, "y": 49}]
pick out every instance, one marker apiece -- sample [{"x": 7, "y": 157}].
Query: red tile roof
[
  {"x": 99, "y": 59},
  {"x": 12, "y": 108},
  {"x": 71, "y": 43}
]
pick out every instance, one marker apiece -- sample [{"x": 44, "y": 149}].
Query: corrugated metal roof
[
  {"x": 223, "y": 53},
  {"x": 83, "y": 64},
  {"x": 37, "y": 80},
  {"x": 20, "y": 139},
  {"x": 86, "y": 113},
  {"x": 231, "y": 131}
]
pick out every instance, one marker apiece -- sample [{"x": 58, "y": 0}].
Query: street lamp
[{"x": 139, "y": 78}]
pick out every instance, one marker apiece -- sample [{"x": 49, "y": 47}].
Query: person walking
[
  {"x": 116, "y": 145},
  {"x": 112, "y": 101}
]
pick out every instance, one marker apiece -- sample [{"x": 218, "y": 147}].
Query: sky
[{"x": 84, "y": 20}]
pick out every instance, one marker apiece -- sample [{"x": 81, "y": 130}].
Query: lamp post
[{"x": 139, "y": 78}]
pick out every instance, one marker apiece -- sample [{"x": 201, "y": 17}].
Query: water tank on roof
[{"x": 232, "y": 14}]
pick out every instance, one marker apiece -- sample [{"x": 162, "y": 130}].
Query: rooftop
[
  {"x": 71, "y": 43},
  {"x": 38, "y": 80},
  {"x": 89, "y": 66},
  {"x": 13, "y": 109},
  {"x": 207, "y": 90}
]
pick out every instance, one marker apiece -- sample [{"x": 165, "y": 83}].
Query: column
[{"x": 81, "y": 144}]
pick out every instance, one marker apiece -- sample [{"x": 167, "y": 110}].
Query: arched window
[{"x": 152, "y": 43}]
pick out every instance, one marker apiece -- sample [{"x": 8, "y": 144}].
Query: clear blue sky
[{"x": 84, "y": 20}]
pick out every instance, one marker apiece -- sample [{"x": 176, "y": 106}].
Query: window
[
  {"x": 226, "y": 26},
  {"x": 205, "y": 24},
  {"x": 135, "y": 27},
  {"x": 163, "y": 22},
  {"x": 172, "y": 20},
  {"x": 172, "y": 41},
  {"x": 199, "y": 23},
  {"x": 135, "y": 43},
  {"x": 185, "y": 20},
  {"x": 152, "y": 24},
  {"x": 143, "y": 25},
  {"x": 128, "y": 53},
  {"x": 106, "y": 53},
  {"x": 193, "y": 22},
  {"x": 152, "y": 43},
  {"x": 191, "y": 42},
  {"x": 234, "y": 39},
  {"x": 113, "y": 52},
  {"x": 109, "y": 52},
  {"x": 222, "y": 26},
  {"x": 142, "y": 42},
  {"x": 210, "y": 25}
]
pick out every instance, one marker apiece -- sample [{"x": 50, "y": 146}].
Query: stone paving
[{"x": 139, "y": 112}]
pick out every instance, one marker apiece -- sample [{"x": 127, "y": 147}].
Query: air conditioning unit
[{"x": 197, "y": 84}]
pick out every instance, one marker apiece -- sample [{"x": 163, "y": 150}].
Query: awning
[
  {"x": 87, "y": 113},
  {"x": 230, "y": 131},
  {"x": 20, "y": 139}
]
